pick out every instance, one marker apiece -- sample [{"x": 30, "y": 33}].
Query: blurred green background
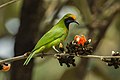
[{"x": 99, "y": 20}]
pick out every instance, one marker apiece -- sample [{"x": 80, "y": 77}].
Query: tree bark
[{"x": 31, "y": 13}]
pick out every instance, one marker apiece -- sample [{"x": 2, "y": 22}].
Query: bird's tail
[{"x": 28, "y": 58}]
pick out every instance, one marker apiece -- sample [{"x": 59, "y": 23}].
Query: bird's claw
[{"x": 55, "y": 49}]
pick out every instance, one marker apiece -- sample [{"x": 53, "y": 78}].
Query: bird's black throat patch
[{"x": 67, "y": 21}]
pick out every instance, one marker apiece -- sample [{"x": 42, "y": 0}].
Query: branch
[
  {"x": 55, "y": 55},
  {"x": 21, "y": 57},
  {"x": 8, "y": 3}
]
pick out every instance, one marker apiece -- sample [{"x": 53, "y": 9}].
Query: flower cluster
[
  {"x": 67, "y": 60},
  {"x": 113, "y": 61},
  {"x": 79, "y": 46}
]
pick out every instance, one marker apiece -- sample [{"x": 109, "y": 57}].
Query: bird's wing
[{"x": 49, "y": 37}]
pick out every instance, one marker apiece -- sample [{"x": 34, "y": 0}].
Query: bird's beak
[{"x": 76, "y": 22}]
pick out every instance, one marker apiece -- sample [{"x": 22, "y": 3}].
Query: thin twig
[
  {"x": 21, "y": 57},
  {"x": 52, "y": 54},
  {"x": 99, "y": 57},
  {"x": 8, "y": 3},
  {"x": 13, "y": 59}
]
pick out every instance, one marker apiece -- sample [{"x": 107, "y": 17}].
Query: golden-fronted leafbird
[{"x": 53, "y": 37}]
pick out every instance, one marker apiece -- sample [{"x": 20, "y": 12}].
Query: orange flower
[
  {"x": 80, "y": 39},
  {"x": 6, "y": 67}
]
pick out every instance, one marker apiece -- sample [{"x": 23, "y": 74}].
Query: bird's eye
[{"x": 69, "y": 20}]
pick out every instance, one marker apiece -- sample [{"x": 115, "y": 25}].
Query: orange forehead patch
[{"x": 73, "y": 16}]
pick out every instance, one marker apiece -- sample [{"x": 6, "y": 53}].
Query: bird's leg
[{"x": 55, "y": 49}]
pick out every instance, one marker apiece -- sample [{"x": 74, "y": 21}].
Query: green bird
[{"x": 53, "y": 37}]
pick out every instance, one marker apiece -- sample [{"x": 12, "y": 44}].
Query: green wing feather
[{"x": 50, "y": 36}]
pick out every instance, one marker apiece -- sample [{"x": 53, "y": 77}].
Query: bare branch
[
  {"x": 21, "y": 57},
  {"x": 8, "y": 3},
  {"x": 55, "y": 55}
]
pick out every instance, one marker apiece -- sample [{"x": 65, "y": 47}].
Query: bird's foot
[{"x": 55, "y": 49}]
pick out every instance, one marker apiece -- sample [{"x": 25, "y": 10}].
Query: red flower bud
[{"x": 80, "y": 39}]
